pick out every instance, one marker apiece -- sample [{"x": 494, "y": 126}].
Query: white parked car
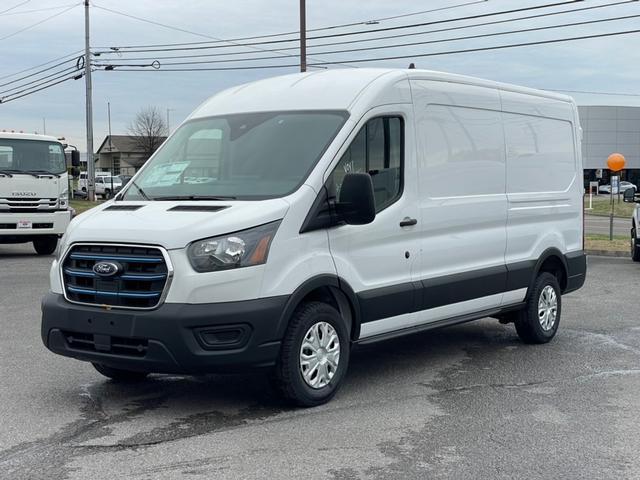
[
  {"x": 623, "y": 187},
  {"x": 329, "y": 221},
  {"x": 107, "y": 186}
]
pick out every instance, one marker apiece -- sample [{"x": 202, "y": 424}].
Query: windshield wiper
[
  {"x": 195, "y": 197},
  {"x": 43, "y": 172},
  {"x": 8, "y": 173},
  {"x": 142, "y": 194}
]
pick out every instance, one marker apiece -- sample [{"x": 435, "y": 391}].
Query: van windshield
[
  {"x": 248, "y": 156},
  {"x": 31, "y": 156}
]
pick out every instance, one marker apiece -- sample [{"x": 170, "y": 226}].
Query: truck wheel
[
  {"x": 635, "y": 246},
  {"x": 314, "y": 356},
  {"x": 45, "y": 245},
  {"x": 118, "y": 374},
  {"x": 538, "y": 322}
]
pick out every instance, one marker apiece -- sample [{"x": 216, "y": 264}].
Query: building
[
  {"x": 607, "y": 130},
  {"x": 121, "y": 154}
]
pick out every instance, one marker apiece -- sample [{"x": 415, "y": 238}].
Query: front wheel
[
  {"x": 635, "y": 246},
  {"x": 45, "y": 245},
  {"x": 119, "y": 375},
  {"x": 314, "y": 356},
  {"x": 538, "y": 322}
]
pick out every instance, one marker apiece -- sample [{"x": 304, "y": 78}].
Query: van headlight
[
  {"x": 63, "y": 201},
  {"x": 240, "y": 249}
]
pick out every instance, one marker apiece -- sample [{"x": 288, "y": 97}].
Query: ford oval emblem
[{"x": 106, "y": 269}]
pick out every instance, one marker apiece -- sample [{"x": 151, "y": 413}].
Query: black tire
[
  {"x": 119, "y": 375},
  {"x": 528, "y": 324},
  {"x": 107, "y": 194},
  {"x": 287, "y": 378},
  {"x": 635, "y": 246},
  {"x": 45, "y": 245},
  {"x": 84, "y": 189}
]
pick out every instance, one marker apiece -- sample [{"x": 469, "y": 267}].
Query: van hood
[
  {"x": 28, "y": 186},
  {"x": 172, "y": 225}
]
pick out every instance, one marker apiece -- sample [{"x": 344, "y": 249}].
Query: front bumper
[
  {"x": 174, "y": 338},
  {"x": 44, "y": 223}
]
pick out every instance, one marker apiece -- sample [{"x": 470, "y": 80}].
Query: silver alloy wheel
[
  {"x": 319, "y": 355},
  {"x": 547, "y": 308}
]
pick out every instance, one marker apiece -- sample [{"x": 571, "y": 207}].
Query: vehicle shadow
[{"x": 187, "y": 406}]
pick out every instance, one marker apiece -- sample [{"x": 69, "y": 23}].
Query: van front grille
[{"x": 138, "y": 278}]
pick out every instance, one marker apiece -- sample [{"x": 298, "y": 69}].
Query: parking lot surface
[{"x": 470, "y": 401}]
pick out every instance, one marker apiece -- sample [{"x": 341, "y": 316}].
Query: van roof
[
  {"x": 29, "y": 136},
  {"x": 335, "y": 89}
]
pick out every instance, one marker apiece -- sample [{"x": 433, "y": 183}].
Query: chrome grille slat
[{"x": 139, "y": 284}]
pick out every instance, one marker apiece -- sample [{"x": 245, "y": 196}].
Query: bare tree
[{"x": 148, "y": 129}]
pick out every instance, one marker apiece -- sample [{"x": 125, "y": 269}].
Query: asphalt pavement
[{"x": 467, "y": 402}]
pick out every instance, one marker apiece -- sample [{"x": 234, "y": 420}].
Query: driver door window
[{"x": 377, "y": 150}]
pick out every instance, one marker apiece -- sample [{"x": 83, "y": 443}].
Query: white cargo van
[
  {"x": 34, "y": 190},
  {"x": 290, "y": 219}
]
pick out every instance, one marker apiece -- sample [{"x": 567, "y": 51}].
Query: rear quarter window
[{"x": 540, "y": 154}]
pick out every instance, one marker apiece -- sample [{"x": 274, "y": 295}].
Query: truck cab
[{"x": 34, "y": 191}]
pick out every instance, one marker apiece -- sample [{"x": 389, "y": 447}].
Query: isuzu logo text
[
  {"x": 23, "y": 194},
  {"x": 106, "y": 269}
]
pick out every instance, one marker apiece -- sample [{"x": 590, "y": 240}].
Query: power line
[
  {"x": 387, "y": 46},
  {"x": 36, "y": 10},
  {"x": 384, "y": 29},
  {"x": 329, "y": 27},
  {"x": 388, "y": 37},
  {"x": 73, "y": 54},
  {"x": 35, "y": 84},
  {"x": 11, "y": 98},
  {"x": 35, "y": 73},
  {"x": 14, "y": 7},
  {"x": 398, "y": 57},
  {"x": 65, "y": 71},
  {"x": 191, "y": 32},
  {"x": 39, "y": 23}
]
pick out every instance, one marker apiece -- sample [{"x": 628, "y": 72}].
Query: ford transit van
[{"x": 290, "y": 219}]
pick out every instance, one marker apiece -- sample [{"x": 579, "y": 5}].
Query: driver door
[{"x": 377, "y": 260}]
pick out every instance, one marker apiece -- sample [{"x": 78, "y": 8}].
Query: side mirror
[
  {"x": 75, "y": 158},
  {"x": 629, "y": 195},
  {"x": 356, "y": 205}
]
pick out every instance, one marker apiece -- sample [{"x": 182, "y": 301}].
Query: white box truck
[
  {"x": 289, "y": 219},
  {"x": 34, "y": 190}
]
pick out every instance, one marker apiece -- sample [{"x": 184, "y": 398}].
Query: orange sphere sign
[{"x": 616, "y": 162}]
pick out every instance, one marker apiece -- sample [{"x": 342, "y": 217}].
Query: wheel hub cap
[
  {"x": 547, "y": 308},
  {"x": 319, "y": 355}
]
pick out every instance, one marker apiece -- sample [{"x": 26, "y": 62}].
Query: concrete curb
[{"x": 607, "y": 253}]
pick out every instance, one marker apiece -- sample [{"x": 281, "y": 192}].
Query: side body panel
[{"x": 544, "y": 179}]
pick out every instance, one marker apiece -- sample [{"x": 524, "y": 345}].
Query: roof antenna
[{"x": 412, "y": 66}]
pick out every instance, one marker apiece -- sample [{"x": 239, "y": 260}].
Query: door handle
[{"x": 408, "y": 222}]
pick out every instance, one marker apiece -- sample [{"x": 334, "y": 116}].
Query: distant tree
[{"x": 148, "y": 128}]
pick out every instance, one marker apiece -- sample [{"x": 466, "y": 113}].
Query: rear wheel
[
  {"x": 118, "y": 374},
  {"x": 635, "y": 246},
  {"x": 314, "y": 356},
  {"x": 45, "y": 245},
  {"x": 538, "y": 322}
]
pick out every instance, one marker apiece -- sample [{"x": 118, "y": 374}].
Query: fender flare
[
  {"x": 548, "y": 253},
  {"x": 343, "y": 295}
]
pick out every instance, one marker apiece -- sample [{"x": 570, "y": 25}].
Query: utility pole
[
  {"x": 168, "y": 124},
  {"x": 91, "y": 166},
  {"x": 303, "y": 36},
  {"x": 110, "y": 146}
]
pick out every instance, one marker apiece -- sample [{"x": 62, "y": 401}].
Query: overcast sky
[{"x": 610, "y": 64}]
